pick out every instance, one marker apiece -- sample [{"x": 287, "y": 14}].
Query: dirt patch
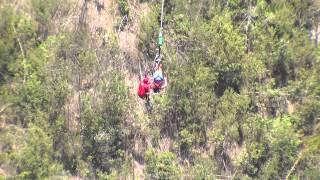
[
  {"x": 165, "y": 144},
  {"x": 291, "y": 107},
  {"x": 128, "y": 43},
  {"x": 2, "y": 172},
  {"x": 129, "y": 37},
  {"x": 101, "y": 14},
  {"x": 138, "y": 170}
]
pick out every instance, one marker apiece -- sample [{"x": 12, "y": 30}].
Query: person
[
  {"x": 158, "y": 79},
  {"x": 144, "y": 87}
]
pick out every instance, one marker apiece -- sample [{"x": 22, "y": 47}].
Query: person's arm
[{"x": 165, "y": 83}]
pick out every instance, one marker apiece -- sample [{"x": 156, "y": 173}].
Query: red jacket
[
  {"x": 144, "y": 87},
  {"x": 146, "y": 84}
]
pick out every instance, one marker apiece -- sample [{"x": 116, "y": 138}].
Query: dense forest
[{"x": 242, "y": 101}]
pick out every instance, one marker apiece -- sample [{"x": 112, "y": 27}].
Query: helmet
[{"x": 146, "y": 79}]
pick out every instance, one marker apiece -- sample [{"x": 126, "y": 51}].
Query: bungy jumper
[{"x": 158, "y": 81}]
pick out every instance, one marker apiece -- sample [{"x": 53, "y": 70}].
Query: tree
[
  {"x": 35, "y": 160},
  {"x": 103, "y": 130}
]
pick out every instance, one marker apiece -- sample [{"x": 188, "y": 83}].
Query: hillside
[{"x": 242, "y": 101}]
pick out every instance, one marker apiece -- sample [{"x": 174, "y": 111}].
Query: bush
[
  {"x": 161, "y": 165},
  {"x": 123, "y": 7}
]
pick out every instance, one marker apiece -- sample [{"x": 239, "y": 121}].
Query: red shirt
[{"x": 146, "y": 84}]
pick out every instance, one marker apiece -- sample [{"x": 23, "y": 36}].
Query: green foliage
[
  {"x": 204, "y": 168},
  {"x": 182, "y": 27},
  {"x": 282, "y": 139},
  {"x": 35, "y": 158},
  {"x": 6, "y": 43},
  {"x": 14, "y": 27},
  {"x": 123, "y": 7},
  {"x": 161, "y": 165},
  {"x": 149, "y": 29},
  {"x": 41, "y": 91},
  {"x": 66, "y": 108},
  {"x": 231, "y": 112},
  {"x": 222, "y": 48},
  {"x": 103, "y": 124},
  {"x": 191, "y": 103},
  {"x": 44, "y": 10},
  {"x": 272, "y": 152}
]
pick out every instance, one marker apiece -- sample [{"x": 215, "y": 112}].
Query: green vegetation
[
  {"x": 161, "y": 165},
  {"x": 243, "y": 99},
  {"x": 123, "y": 7}
]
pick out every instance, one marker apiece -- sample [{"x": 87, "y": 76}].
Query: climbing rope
[{"x": 160, "y": 41}]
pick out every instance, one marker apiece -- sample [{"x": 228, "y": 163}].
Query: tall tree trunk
[{"x": 316, "y": 31}]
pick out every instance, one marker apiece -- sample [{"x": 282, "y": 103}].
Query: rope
[
  {"x": 162, "y": 7},
  {"x": 158, "y": 59},
  {"x": 140, "y": 71}
]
